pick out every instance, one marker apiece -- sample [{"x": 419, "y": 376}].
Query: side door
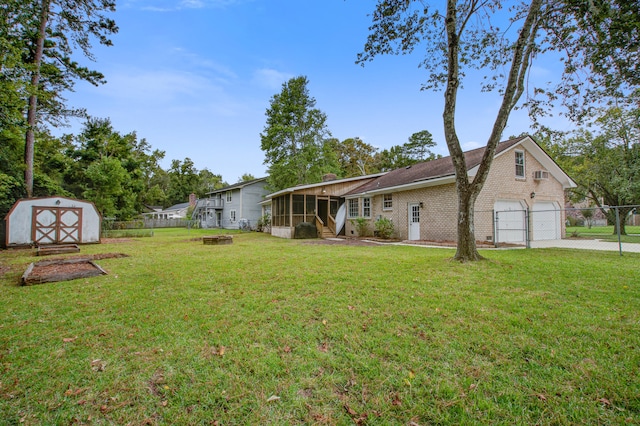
[{"x": 414, "y": 221}]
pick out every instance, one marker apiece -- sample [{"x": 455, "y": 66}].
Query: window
[
  {"x": 366, "y": 207},
  {"x": 232, "y": 215},
  {"x": 228, "y": 196},
  {"x": 520, "y": 164},
  {"x": 387, "y": 202},
  {"x": 352, "y": 210}
]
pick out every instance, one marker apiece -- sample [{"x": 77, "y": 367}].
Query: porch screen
[
  {"x": 280, "y": 211},
  {"x": 298, "y": 209},
  {"x": 311, "y": 208}
]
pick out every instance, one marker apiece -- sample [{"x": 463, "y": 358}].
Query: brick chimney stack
[{"x": 192, "y": 199}]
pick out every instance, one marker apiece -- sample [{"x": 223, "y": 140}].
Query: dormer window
[{"x": 520, "y": 164}]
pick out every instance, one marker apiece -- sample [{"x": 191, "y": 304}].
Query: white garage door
[
  {"x": 545, "y": 219},
  {"x": 510, "y": 217}
]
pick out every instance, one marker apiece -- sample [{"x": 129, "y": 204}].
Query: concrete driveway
[{"x": 587, "y": 245}]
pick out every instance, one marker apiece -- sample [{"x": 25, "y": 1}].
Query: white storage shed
[{"x": 51, "y": 220}]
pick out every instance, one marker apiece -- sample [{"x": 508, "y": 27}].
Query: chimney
[
  {"x": 329, "y": 177},
  {"x": 192, "y": 200}
]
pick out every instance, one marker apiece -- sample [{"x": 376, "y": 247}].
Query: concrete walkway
[
  {"x": 579, "y": 244},
  {"x": 587, "y": 245}
]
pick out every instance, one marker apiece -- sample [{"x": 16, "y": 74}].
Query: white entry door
[{"x": 414, "y": 221}]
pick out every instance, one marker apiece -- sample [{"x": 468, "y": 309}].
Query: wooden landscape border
[{"x": 29, "y": 278}]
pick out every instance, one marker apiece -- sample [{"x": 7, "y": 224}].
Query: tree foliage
[
  {"x": 294, "y": 138},
  {"x": 355, "y": 157},
  {"x": 415, "y": 150},
  {"x": 38, "y": 40},
  {"x": 462, "y": 36},
  {"x": 606, "y": 163}
]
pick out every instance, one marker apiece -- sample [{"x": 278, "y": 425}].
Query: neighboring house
[
  {"x": 51, "y": 220},
  {"x": 322, "y": 204},
  {"x": 232, "y": 207},
  {"x": 177, "y": 211},
  {"x": 523, "y": 196}
]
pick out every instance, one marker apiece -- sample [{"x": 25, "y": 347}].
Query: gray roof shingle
[{"x": 428, "y": 170}]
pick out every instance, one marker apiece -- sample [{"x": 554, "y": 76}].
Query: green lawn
[
  {"x": 604, "y": 233},
  {"x": 273, "y": 331}
]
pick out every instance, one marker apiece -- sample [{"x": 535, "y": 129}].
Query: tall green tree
[
  {"x": 356, "y": 157},
  {"x": 47, "y": 31},
  {"x": 415, "y": 150},
  {"x": 465, "y": 35},
  {"x": 606, "y": 164},
  {"x": 99, "y": 149},
  {"x": 246, "y": 177},
  {"x": 209, "y": 181},
  {"x": 183, "y": 181},
  {"x": 294, "y": 137},
  {"x": 419, "y": 145}
]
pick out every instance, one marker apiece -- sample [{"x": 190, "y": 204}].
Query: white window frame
[
  {"x": 387, "y": 203},
  {"x": 353, "y": 208},
  {"x": 366, "y": 207},
  {"x": 520, "y": 164},
  {"x": 229, "y": 197},
  {"x": 232, "y": 216}
]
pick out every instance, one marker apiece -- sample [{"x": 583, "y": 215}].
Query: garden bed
[
  {"x": 65, "y": 269},
  {"x": 217, "y": 240}
]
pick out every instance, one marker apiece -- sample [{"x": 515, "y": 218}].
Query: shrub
[
  {"x": 384, "y": 228},
  {"x": 264, "y": 223},
  {"x": 362, "y": 226}
]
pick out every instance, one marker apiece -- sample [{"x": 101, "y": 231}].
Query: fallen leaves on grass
[
  {"x": 358, "y": 419},
  {"x": 69, "y": 339},
  {"x": 98, "y": 365},
  {"x": 605, "y": 402},
  {"x": 209, "y": 351},
  {"x": 155, "y": 382}
]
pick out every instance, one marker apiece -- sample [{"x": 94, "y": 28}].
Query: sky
[{"x": 195, "y": 78}]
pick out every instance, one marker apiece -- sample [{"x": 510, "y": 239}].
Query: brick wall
[{"x": 438, "y": 215}]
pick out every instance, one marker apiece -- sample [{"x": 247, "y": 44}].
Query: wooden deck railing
[
  {"x": 331, "y": 224},
  {"x": 319, "y": 225}
]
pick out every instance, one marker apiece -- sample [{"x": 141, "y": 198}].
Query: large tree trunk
[
  {"x": 33, "y": 99},
  {"x": 469, "y": 191},
  {"x": 466, "y": 249}
]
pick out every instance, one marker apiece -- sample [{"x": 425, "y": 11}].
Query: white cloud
[
  {"x": 174, "y": 5},
  {"x": 270, "y": 78},
  {"x": 468, "y": 146},
  {"x": 162, "y": 86},
  {"x": 195, "y": 60}
]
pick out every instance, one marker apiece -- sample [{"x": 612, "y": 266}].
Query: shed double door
[{"x": 56, "y": 225}]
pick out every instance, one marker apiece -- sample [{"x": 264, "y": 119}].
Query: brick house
[{"x": 522, "y": 197}]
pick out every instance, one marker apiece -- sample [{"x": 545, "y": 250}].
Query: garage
[
  {"x": 545, "y": 221},
  {"x": 51, "y": 220},
  {"x": 510, "y": 221}
]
